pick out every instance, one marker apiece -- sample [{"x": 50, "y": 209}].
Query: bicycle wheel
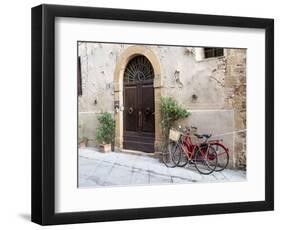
[
  {"x": 205, "y": 159},
  {"x": 223, "y": 156},
  {"x": 183, "y": 160},
  {"x": 171, "y": 154}
]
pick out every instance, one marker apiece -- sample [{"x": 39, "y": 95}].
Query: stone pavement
[{"x": 110, "y": 169}]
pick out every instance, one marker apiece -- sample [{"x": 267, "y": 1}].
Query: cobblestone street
[{"x": 121, "y": 169}]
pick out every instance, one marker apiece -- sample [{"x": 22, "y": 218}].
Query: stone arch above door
[{"x": 121, "y": 64}]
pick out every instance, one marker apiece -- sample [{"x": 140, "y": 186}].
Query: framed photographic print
[{"x": 145, "y": 114}]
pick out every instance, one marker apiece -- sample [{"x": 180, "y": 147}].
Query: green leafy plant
[
  {"x": 105, "y": 130},
  {"x": 171, "y": 111}
]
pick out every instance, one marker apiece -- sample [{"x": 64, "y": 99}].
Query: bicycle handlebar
[
  {"x": 187, "y": 128},
  {"x": 187, "y": 131},
  {"x": 207, "y": 136}
]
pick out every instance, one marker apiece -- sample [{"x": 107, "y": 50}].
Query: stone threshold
[{"x": 138, "y": 153}]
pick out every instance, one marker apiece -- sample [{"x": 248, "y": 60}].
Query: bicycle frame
[
  {"x": 187, "y": 146},
  {"x": 201, "y": 154}
]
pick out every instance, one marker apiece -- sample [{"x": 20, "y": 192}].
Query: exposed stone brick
[{"x": 235, "y": 82}]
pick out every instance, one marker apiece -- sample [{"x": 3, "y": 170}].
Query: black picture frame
[{"x": 43, "y": 114}]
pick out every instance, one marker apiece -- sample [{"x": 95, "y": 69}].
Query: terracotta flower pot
[
  {"x": 83, "y": 143},
  {"x": 105, "y": 148}
]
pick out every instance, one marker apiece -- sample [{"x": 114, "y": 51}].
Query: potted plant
[
  {"x": 83, "y": 142},
  {"x": 105, "y": 131}
]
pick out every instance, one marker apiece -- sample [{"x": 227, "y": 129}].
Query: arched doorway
[
  {"x": 122, "y": 62},
  {"x": 138, "y": 101}
]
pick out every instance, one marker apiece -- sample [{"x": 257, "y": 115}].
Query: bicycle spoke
[
  {"x": 223, "y": 156},
  {"x": 171, "y": 155},
  {"x": 206, "y": 160}
]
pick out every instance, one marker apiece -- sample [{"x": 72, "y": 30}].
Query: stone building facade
[{"x": 212, "y": 88}]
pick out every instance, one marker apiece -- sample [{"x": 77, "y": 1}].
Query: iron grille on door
[{"x": 138, "y": 69}]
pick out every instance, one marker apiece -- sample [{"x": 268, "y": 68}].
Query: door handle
[
  {"x": 140, "y": 119},
  {"x": 147, "y": 111},
  {"x": 130, "y": 110}
]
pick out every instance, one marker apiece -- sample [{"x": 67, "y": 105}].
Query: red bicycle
[
  {"x": 221, "y": 150},
  {"x": 202, "y": 155}
]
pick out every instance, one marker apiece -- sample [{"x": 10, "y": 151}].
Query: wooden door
[{"x": 138, "y": 114}]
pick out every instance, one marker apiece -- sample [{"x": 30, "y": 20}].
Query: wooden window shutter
[
  {"x": 79, "y": 77},
  {"x": 213, "y": 52}
]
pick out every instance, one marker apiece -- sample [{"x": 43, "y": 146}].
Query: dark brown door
[{"x": 139, "y": 116}]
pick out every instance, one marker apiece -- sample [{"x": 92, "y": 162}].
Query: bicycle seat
[{"x": 203, "y": 136}]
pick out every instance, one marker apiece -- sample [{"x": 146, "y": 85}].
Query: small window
[
  {"x": 79, "y": 77},
  {"x": 213, "y": 52}
]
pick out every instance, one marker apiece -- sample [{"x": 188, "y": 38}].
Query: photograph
[{"x": 153, "y": 114}]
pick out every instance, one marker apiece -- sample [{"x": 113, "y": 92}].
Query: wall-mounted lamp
[{"x": 116, "y": 106}]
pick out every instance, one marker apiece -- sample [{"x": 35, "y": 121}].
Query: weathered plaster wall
[
  {"x": 180, "y": 72},
  {"x": 195, "y": 84},
  {"x": 212, "y": 89}
]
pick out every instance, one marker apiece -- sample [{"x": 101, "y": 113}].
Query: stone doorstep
[{"x": 138, "y": 153}]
